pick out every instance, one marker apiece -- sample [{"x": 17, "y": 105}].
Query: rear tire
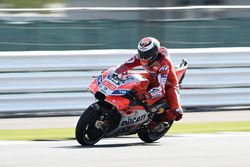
[
  {"x": 86, "y": 133},
  {"x": 148, "y": 136}
]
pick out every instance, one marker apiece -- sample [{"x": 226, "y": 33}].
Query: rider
[{"x": 163, "y": 80}]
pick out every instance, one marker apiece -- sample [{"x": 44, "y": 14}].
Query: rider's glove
[{"x": 115, "y": 76}]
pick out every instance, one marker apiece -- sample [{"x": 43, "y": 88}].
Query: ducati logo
[{"x": 131, "y": 121}]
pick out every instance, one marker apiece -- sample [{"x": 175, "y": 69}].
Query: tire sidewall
[{"x": 83, "y": 122}]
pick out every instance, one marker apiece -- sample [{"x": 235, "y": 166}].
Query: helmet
[{"x": 148, "y": 49}]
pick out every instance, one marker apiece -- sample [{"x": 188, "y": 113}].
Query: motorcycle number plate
[{"x": 109, "y": 85}]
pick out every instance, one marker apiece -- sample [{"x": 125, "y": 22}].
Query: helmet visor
[{"x": 146, "y": 55}]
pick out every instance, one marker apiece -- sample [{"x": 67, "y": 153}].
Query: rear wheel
[
  {"x": 90, "y": 127},
  {"x": 150, "y": 135}
]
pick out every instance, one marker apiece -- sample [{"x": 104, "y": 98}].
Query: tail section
[{"x": 181, "y": 70}]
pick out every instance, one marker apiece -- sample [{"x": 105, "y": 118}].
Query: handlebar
[{"x": 115, "y": 78}]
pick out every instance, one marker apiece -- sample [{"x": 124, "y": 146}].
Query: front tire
[{"x": 86, "y": 132}]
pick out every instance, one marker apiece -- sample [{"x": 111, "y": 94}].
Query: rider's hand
[{"x": 116, "y": 76}]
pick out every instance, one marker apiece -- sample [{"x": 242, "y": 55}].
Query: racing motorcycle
[{"x": 118, "y": 110}]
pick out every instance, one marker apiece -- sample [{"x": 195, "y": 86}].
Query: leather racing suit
[{"x": 163, "y": 81}]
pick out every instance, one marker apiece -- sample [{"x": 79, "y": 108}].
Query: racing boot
[{"x": 174, "y": 115}]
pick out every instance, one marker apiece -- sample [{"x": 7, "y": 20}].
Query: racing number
[{"x": 109, "y": 85}]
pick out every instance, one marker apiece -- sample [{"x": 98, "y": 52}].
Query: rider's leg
[{"x": 173, "y": 98}]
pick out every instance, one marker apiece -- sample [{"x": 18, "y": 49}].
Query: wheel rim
[{"x": 91, "y": 133}]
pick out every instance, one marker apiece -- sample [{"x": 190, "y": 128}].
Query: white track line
[
  {"x": 135, "y": 139},
  {"x": 128, "y": 8}
]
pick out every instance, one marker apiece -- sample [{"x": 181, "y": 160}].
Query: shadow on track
[{"x": 109, "y": 145}]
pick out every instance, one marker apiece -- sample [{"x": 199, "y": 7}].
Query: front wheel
[
  {"x": 90, "y": 129},
  {"x": 149, "y": 136}
]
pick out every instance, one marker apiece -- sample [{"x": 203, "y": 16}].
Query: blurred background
[
  {"x": 27, "y": 25},
  {"x": 48, "y": 57}
]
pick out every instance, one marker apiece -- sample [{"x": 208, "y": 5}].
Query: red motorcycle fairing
[
  {"x": 120, "y": 103},
  {"x": 93, "y": 87},
  {"x": 114, "y": 91},
  {"x": 181, "y": 70}
]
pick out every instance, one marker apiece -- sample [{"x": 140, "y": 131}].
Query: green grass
[
  {"x": 210, "y": 127},
  {"x": 29, "y": 3},
  {"x": 37, "y": 134},
  {"x": 68, "y": 133}
]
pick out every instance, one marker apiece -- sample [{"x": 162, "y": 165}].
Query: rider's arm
[
  {"x": 128, "y": 65},
  {"x": 162, "y": 80},
  {"x": 172, "y": 80},
  {"x": 167, "y": 79}
]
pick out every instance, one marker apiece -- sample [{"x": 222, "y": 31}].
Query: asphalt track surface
[
  {"x": 187, "y": 150},
  {"x": 70, "y": 121}
]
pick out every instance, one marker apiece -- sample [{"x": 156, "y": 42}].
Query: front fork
[
  {"x": 102, "y": 122},
  {"x": 107, "y": 118}
]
